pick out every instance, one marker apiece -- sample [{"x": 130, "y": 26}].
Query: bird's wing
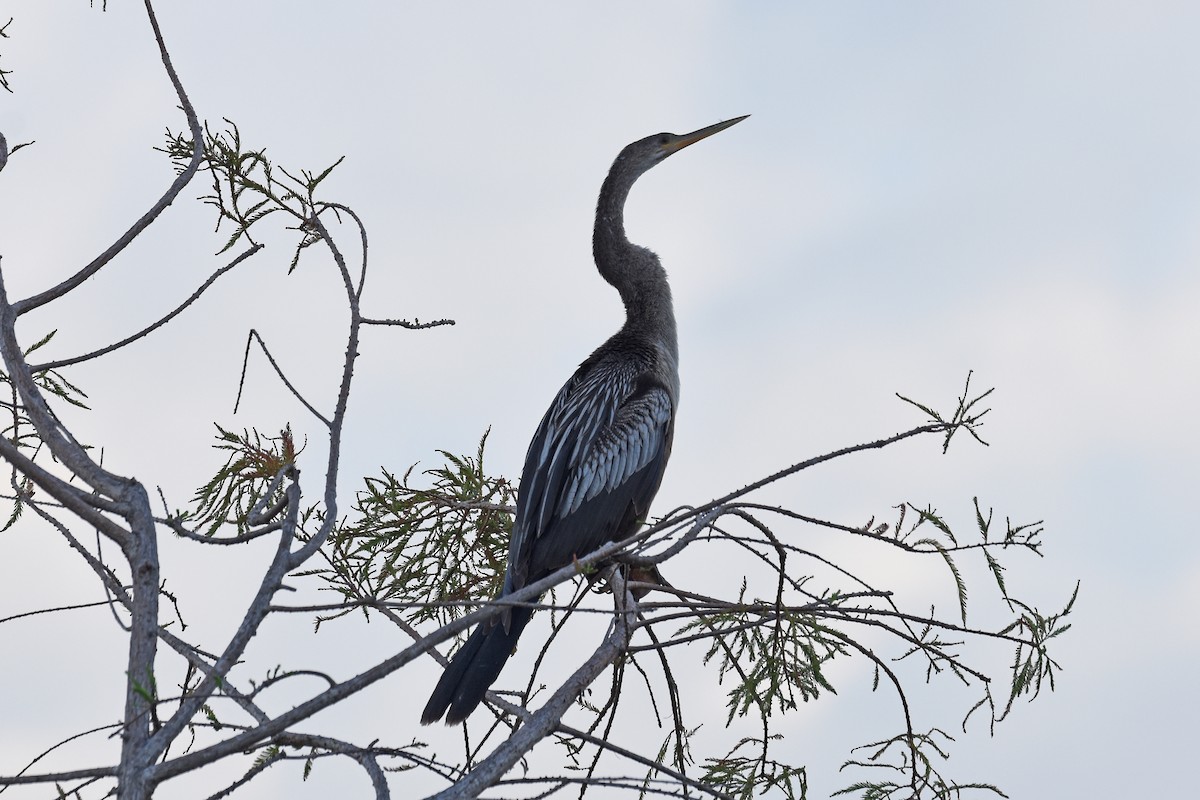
[
  {"x": 592, "y": 468},
  {"x": 623, "y": 448}
]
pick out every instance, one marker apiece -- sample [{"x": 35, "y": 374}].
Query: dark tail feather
[{"x": 474, "y": 669}]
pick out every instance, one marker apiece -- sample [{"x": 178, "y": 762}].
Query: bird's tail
[{"x": 474, "y": 669}]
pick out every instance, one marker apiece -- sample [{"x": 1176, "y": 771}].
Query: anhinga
[{"x": 598, "y": 456}]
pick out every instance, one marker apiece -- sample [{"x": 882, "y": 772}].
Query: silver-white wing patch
[{"x": 634, "y": 437}]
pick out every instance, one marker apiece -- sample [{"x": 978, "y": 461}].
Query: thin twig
[
  {"x": 254, "y": 336},
  {"x": 412, "y": 325},
  {"x": 154, "y": 326},
  {"x": 6, "y": 782},
  {"x": 56, "y": 609}
]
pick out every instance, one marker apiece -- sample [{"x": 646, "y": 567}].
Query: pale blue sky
[{"x": 922, "y": 189}]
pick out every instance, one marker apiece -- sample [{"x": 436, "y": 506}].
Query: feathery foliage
[
  {"x": 251, "y": 476},
  {"x": 438, "y": 548},
  {"x": 247, "y": 187}
]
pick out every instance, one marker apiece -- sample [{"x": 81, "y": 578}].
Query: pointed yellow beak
[{"x": 677, "y": 143}]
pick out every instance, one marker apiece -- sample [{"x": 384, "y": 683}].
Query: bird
[{"x": 598, "y": 456}]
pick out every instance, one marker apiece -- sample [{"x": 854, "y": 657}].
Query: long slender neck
[{"x": 634, "y": 271}]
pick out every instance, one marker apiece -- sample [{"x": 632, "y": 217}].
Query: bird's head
[{"x": 645, "y": 153}]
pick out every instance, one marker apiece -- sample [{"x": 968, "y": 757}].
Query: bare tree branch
[
  {"x": 58, "y": 777},
  {"x": 181, "y": 180},
  {"x": 154, "y": 326},
  {"x": 343, "y": 398},
  {"x": 412, "y": 325}
]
